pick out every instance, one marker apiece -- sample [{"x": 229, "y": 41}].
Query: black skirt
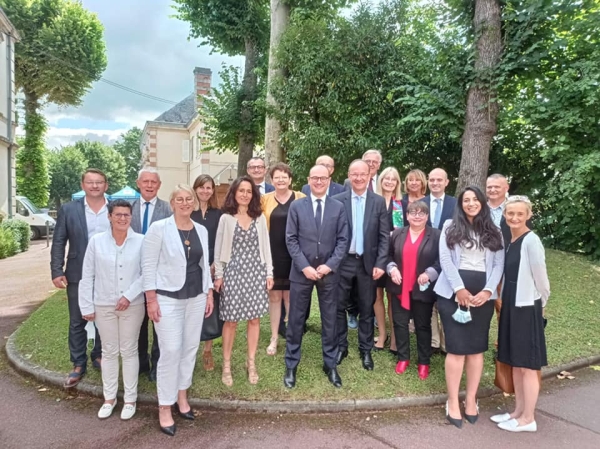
[{"x": 472, "y": 337}]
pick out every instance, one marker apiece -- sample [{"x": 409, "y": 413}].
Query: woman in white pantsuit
[
  {"x": 110, "y": 293},
  {"x": 178, "y": 287}
]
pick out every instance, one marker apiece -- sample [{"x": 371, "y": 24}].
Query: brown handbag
[{"x": 504, "y": 380}]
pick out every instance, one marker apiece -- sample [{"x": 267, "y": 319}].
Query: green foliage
[
  {"x": 66, "y": 166},
  {"x": 105, "y": 158},
  {"x": 31, "y": 164},
  {"x": 128, "y": 146},
  {"x": 8, "y": 244},
  {"x": 20, "y": 233}
]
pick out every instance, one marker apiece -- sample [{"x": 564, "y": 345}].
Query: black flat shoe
[
  {"x": 289, "y": 379},
  {"x": 170, "y": 430},
  {"x": 185, "y": 415},
  {"x": 341, "y": 355},
  {"x": 454, "y": 421}
]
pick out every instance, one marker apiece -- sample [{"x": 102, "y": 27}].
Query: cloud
[{"x": 60, "y": 137}]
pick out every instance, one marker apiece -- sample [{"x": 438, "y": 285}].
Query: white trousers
[
  {"x": 178, "y": 331},
  {"x": 119, "y": 332}
]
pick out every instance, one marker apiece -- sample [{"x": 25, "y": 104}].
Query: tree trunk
[
  {"x": 280, "y": 18},
  {"x": 482, "y": 106},
  {"x": 249, "y": 85}
]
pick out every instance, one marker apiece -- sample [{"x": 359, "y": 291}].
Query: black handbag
[{"x": 212, "y": 327}]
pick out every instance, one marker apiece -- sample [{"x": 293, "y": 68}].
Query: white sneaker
[
  {"x": 128, "y": 411},
  {"x": 513, "y": 426},
  {"x": 106, "y": 410},
  {"x": 500, "y": 418}
]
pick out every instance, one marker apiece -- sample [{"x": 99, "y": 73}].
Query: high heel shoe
[
  {"x": 454, "y": 421},
  {"x": 472, "y": 418},
  {"x": 168, "y": 430},
  {"x": 252, "y": 373},
  {"x": 226, "y": 377},
  {"x": 185, "y": 415},
  {"x": 385, "y": 343}
]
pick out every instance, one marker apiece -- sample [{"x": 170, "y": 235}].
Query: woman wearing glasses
[
  {"x": 243, "y": 270},
  {"x": 521, "y": 340},
  {"x": 413, "y": 269},
  {"x": 275, "y": 206},
  {"x": 178, "y": 287},
  {"x": 110, "y": 293}
]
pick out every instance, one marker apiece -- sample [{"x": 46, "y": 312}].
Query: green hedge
[
  {"x": 8, "y": 244},
  {"x": 14, "y": 238}
]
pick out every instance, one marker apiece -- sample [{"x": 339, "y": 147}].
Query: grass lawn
[{"x": 572, "y": 332}]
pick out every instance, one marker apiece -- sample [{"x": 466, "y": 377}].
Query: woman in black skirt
[
  {"x": 472, "y": 261},
  {"x": 521, "y": 340}
]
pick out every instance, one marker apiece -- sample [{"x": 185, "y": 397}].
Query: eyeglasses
[
  {"x": 417, "y": 213},
  {"x": 122, "y": 216},
  {"x": 94, "y": 183},
  {"x": 188, "y": 200},
  {"x": 256, "y": 167},
  {"x": 318, "y": 178},
  {"x": 372, "y": 162}
]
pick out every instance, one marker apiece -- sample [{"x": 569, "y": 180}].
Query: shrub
[
  {"x": 20, "y": 231},
  {"x": 8, "y": 244}
]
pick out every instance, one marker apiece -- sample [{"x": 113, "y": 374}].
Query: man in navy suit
[
  {"x": 257, "y": 170},
  {"x": 441, "y": 208},
  {"x": 365, "y": 261},
  {"x": 334, "y": 188},
  {"x": 317, "y": 240}
]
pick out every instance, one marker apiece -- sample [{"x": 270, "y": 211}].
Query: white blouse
[
  {"x": 111, "y": 272},
  {"x": 472, "y": 259}
]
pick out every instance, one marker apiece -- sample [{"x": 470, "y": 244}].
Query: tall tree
[
  {"x": 66, "y": 166},
  {"x": 128, "y": 146},
  {"x": 234, "y": 27},
  {"x": 61, "y": 53},
  {"x": 482, "y": 105}
]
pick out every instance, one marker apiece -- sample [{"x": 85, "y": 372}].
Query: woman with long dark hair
[
  {"x": 243, "y": 270},
  {"x": 472, "y": 261}
]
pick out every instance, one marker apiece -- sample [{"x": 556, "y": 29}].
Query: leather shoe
[
  {"x": 185, "y": 415},
  {"x": 333, "y": 376},
  {"x": 169, "y": 430},
  {"x": 341, "y": 355},
  {"x": 512, "y": 425},
  {"x": 367, "y": 360},
  {"x": 152, "y": 375},
  {"x": 401, "y": 366},
  {"x": 423, "y": 371},
  {"x": 289, "y": 379}
]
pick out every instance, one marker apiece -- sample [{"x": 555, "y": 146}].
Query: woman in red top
[{"x": 413, "y": 268}]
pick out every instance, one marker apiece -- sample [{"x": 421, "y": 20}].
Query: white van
[{"x": 34, "y": 217}]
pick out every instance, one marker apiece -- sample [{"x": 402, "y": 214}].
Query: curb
[{"x": 24, "y": 366}]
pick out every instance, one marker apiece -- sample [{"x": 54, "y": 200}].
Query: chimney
[{"x": 201, "y": 83}]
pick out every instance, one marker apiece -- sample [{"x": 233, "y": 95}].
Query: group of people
[{"x": 439, "y": 260}]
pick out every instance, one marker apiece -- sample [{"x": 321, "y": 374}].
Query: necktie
[
  {"x": 318, "y": 215},
  {"x": 438, "y": 213},
  {"x": 371, "y": 184},
  {"x": 145, "y": 222},
  {"x": 358, "y": 224}
]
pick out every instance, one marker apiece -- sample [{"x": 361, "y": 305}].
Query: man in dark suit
[
  {"x": 145, "y": 211},
  {"x": 317, "y": 240},
  {"x": 366, "y": 259},
  {"x": 76, "y": 223},
  {"x": 257, "y": 170},
  {"x": 334, "y": 188}
]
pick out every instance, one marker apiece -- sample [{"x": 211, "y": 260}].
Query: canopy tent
[
  {"x": 78, "y": 195},
  {"x": 126, "y": 193}
]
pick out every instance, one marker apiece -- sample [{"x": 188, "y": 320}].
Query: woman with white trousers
[
  {"x": 178, "y": 287},
  {"x": 110, "y": 293}
]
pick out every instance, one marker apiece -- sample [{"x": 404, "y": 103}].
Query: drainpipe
[{"x": 9, "y": 132}]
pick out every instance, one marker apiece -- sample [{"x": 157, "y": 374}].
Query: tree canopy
[{"x": 128, "y": 146}]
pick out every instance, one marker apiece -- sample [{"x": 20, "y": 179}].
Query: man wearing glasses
[
  {"x": 77, "y": 222},
  {"x": 334, "y": 188},
  {"x": 257, "y": 170},
  {"x": 145, "y": 211}
]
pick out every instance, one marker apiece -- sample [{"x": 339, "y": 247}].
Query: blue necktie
[
  {"x": 318, "y": 215},
  {"x": 145, "y": 222},
  {"x": 358, "y": 224},
  {"x": 438, "y": 213}
]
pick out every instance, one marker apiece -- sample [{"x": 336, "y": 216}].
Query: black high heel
[
  {"x": 472, "y": 418},
  {"x": 455, "y": 422},
  {"x": 185, "y": 415},
  {"x": 168, "y": 430}
]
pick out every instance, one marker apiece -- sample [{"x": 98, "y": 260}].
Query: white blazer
[{"x": 163, "y": 257}]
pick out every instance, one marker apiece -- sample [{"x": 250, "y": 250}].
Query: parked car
[{"x": 34, "y": 217}]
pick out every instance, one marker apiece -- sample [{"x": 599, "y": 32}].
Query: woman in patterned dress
[{"x": 243, "y": 270}]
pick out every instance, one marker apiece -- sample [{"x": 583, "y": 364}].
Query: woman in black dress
[
  {"x": 521, "y": 340},
  {"x": 275, "y": 206},
  {"x": 208, "y": 215}
]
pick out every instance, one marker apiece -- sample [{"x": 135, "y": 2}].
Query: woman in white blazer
[
  {"x": 521, "y": 339},
  {"x": 178, "y": 286},
  {"x": 472, "y": 261}
]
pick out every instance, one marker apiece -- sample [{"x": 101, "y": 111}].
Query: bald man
[{"x": 334, "y": 188}]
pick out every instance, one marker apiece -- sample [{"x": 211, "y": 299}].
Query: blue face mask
[
  {"x": 424, "y": 287},
  {"x": 462, "y": 316}
]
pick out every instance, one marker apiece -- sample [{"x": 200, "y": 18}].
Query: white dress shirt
[
  {"x": 434, "y": 205},
  {"x": 314, "y": 205},
  {"x": 261, "y": 187},
  {"x": 111, "y": 271},
  {"x": 96, "y": 222},
  {"x": 143, "y": 206}
]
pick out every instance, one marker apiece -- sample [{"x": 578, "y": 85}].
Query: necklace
[{"x": 187, "y": 242}]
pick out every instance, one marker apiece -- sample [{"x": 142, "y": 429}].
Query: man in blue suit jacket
[
  {"x": 257, "y": 170},
  {"x": 334, "y": 188},
  {"x": 441, "y": 206},
  {"x": 317, "y": 240}
]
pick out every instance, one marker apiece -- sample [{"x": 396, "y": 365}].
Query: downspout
[{"x": 9, "y": 132}]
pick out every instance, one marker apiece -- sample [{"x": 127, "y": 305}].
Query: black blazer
[
  {"x": 376, "y": 228},
  {"x": 428, "y": 256},
  {"x": 447, "y": 210},
  {"x": 306, "y": 247},
  {"x": 334, "y": 189},
  {"x": 71, "y": 228}
]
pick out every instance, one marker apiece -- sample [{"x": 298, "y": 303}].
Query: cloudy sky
[{"x": 147, "y": 51}]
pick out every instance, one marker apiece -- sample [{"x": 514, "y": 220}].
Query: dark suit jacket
[
  {"x": 376, "y": 228},
  {"x": 428, "y": 256},
  {"x": 162, "y": 209},
  {"x": 334, "y": 189},
  {"x": 269, "y": 187},
  {"x": 447, "y": 210},
  {"x": 71, "y": 228},
  {"x": 306, "y": 247}
]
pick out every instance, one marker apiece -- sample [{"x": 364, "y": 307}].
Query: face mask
[
  {"x": 462, "y": 316},
  {"x": 424, "y": 287}
]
